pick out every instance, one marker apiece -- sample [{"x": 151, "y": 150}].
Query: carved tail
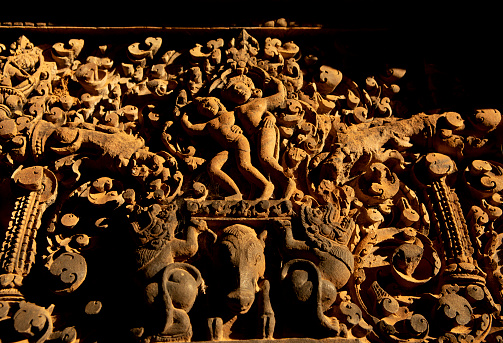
[{"x": 184, "y": 286}]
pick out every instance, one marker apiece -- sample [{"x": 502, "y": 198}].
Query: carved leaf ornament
[{"x": 239, "y": 188}]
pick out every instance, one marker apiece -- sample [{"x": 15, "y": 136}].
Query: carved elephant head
[{"x": 241, "y": 264}]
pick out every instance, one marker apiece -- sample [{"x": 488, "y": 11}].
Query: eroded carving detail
[{"x": 239, "y": 188}]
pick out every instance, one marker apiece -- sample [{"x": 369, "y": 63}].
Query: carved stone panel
[{"x": 240, "y": 185}]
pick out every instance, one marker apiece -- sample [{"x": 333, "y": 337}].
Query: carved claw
[
  {"x": 199, "y": 224},
  {"x": 331, "y": 323},
  {"x": 269, "y": 120},
  {"x": 236, "y": 129}
]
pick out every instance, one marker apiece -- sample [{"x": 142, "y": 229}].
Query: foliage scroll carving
[{"x": 239, "y": 188}]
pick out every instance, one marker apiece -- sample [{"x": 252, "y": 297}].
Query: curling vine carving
[{"x": 235, "y": 189}]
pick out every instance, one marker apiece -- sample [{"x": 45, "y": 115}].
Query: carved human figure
[
  {"x": 374, "y": 182},
  {"x": 20, "y": 69},
  {"x": 222, "y": 128},
  {"x": 260, "y": 124}
]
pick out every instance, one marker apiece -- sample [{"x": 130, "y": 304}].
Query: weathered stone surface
[{"x": 223, "y": 185}]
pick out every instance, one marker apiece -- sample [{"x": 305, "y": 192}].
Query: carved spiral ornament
[{"x": 240, "y": 187}]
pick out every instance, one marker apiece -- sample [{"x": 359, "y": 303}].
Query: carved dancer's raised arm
[{"x": 193, "y": 129}]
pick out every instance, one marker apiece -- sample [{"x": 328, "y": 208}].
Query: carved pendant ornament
[{"x": 239, "y": 189}]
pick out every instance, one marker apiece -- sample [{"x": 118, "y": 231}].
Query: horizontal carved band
[{"x": 223, "y": 185}]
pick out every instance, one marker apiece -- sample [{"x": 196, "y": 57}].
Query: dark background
[
  {"x": 452, "y": 54},
  {"x": 458, "y": 43}
]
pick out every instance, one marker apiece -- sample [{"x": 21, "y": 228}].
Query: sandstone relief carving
[{"x": 239, "y": 188}]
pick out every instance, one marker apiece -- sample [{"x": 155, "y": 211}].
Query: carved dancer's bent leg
[
  {"x": 252, "y": 174},
  {"x": 224, "y": 180},
  {"x": 267, "y": 143}
]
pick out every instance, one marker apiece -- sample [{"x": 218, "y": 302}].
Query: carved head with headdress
[
  {"x": 208, "y": 106},
  {"x": 238, "y": 89}
]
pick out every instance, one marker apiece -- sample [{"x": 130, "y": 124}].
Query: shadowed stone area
[{"x": 286, "y": 181}]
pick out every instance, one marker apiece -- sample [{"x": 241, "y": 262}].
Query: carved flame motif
[{"x": 236, "y": 188}]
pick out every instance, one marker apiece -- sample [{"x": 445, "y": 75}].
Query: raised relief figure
[
  {"x": 171, "y": 286},
  {"x": 245, "y": 188},
  {"x": 239, "y": 284},
  {"x": 319, "y": 264},
  {"x": 221, "y": 127},
  {"x": 259, "y": 123}
]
